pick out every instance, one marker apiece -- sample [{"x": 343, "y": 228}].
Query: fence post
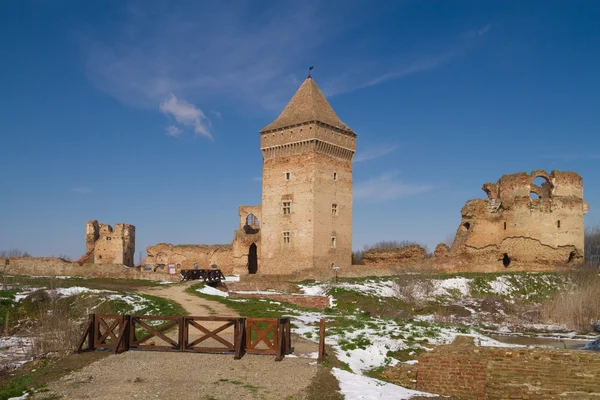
[
  {"x": 240, "y": 338},
  {"x": 182, "y": 334},
  {"x": 281, "y": 339},
  {"x": 321, "y": 340},
  {"x": 87, "y": 334},
  {"x": 93, "y": 333}
]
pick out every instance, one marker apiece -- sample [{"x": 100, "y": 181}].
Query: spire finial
[{"x": 310, "y": 69}]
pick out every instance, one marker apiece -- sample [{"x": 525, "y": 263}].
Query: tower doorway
[{"x": 252, "y": 259}]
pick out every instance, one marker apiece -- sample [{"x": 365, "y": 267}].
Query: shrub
[
  {"x": 592, "y": 246},
  {"x": 578, "y": 307}
]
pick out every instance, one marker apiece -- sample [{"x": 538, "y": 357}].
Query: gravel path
[{"x": 178, "y": 376}]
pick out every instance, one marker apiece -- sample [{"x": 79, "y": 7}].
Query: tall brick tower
[{"x": 306, "y": 187}]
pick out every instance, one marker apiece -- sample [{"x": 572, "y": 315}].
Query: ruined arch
[
  {"x": 252, "y": 259},
  {"x": 540, "y": 186}
]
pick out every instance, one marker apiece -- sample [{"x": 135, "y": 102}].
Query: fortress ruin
[
  {"x": 523, "y": 221},
  {"x": 304, "y": 222},
  {"x": 105, "y": 245}
]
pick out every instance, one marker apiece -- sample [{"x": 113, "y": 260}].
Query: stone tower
[
  {"x": 105, "y": 245},
  {"x": 306, "y": 187}
]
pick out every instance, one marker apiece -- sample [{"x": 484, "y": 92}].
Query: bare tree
[
  {"x": 592, "y": 246},
  {"x": 13, "y": 253}
]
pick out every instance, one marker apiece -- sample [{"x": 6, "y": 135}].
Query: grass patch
[{"x": 38, "y": 374}]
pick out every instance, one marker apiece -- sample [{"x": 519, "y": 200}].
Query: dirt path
[
  {"x": 196, "y": 306},
  {"x": 177, "y": 376}
]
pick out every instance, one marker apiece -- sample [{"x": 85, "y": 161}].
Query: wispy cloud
[
  {"x": 172, "y": 130},
  {"x": 185, "y": 114},
  {"x": 374, "y": 152},
  {"x": 387, "y": 187},
  {"x": 367, "y": 75},
  {"x": 81, "y": 189}
]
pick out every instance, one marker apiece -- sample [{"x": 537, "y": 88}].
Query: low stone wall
[
  {"x": 59, "y": 267},
  {"x": 299, "y": 300},
  {"x": 485, "y": 373},
  {"x": 276, "y": 286}
]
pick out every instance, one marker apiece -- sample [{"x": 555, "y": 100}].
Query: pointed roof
[{"x": 307, "y": 105}]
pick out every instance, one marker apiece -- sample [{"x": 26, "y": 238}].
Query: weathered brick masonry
[{"x": 489, "y": 373}]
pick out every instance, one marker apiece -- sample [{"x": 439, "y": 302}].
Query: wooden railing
[{"x": 191, "y": 334}]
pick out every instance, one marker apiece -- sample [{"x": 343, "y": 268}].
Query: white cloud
[
  {"x": 386, "y": 187},
  {"x": 172, "y": 130},
  {"x": 375, "y": 152},
  {"x": 186, "y": 114},
  {"x": 82, "y": 190}
]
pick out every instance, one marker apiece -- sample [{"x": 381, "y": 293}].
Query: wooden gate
[
  {"x": 145, "y": 332},
  {"x": 192, "y": 334},
  {"x": 220, "y": 339}
]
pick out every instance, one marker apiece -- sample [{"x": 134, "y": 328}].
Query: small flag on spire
[{"x": 310, "y": 69}]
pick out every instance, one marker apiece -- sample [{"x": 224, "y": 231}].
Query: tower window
[
  {"x": 286, "y": 237},
  {"x": 334, "y": 210},
  {"x": 335, "y": 176},
  {"x": 288, "y": 176},
  {"x": 108, "y": 238},
  {"x": 287, "y": 207},
  {"x": 504, "y": 225},
  {"x": 333, "y": 242},
  {"x": 558, "y": 223}
]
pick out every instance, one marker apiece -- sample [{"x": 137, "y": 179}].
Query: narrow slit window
[
  {"x": 335, "y": 176},
  {"x": 558, "y": 223},
  {"x": 286, "y": 237},
  {"x": 288, "y": 176},
  {"x": 287, "y": 207},
  {"x": 333, "y": 242},
  {"x": 334, "y": 210},
  {"x": 505, "y": 226}
]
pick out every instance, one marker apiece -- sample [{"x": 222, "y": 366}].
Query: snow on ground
[
  {"x": 23, "y": 397},
  {"x": 232, "y": 278},
  {"x": 73, "y": 290},
  {"x": 359, "y": 387},
  {"x": 446, "y": 286},
  {"x": 212, "y": 291},
  {"x": 14, "y": 351},
  {"x": 314, "y": 290}
]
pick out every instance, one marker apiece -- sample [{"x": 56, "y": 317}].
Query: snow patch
[
  {"x": 359, "y": 387},
  {"x": 212, "y": 291}
]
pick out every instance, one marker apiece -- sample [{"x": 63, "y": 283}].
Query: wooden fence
[{"x": 191, "y": 334}]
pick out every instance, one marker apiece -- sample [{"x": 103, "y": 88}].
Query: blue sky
[{"x": 148, "y": 112}]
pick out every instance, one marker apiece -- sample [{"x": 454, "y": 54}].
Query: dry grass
[{"x": 579, "y": 306}]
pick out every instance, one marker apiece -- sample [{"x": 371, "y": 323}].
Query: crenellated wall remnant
[
  {"x": 394, "y": 256},
  {"x": 522, "y": 221},
  {"x": 105, "y": 245}
]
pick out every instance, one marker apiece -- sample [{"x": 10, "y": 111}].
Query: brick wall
[{"x": 489, "y": 373}]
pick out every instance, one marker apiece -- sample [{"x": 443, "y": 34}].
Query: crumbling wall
[
  {"x": 185, "y": 256},
  {"x": 472, "y": 372},
  {"x": 394, "y": 256},
  {"x": 105, "y": 245},
  {"x": 246, "y": 240},
  {"x": 521, "y": 222}
]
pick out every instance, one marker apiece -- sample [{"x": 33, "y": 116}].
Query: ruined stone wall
[
  {"x": 60, "y": 267},
  {"x": 246, "y": 236},
  {"x": 105, "y": 245},
  {"x": 393, "y": 256},
  {"x": 471, "y": 372},
  {"x": 185, "y": 256},
  {"x": 512, "y": 220}
]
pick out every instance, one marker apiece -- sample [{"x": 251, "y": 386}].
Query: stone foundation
[{"x": 485, "y": 373}]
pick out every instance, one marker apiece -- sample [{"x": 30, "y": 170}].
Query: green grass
[{"x": 25, "y": 382}]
